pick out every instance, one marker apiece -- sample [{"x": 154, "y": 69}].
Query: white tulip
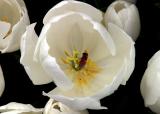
[
  {"x": 2, "y": 83},
  {"x": 18, "y": 108},
  {"x": 13, "y": 21},
  {"x": 150, "y": 84},
  {"x": 54, "y": 107},
  {"x": 74, "y": 50},
  {"x": 125, "y": 15}
]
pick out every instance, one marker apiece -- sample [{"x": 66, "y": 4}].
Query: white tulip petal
[
  {"x": 54, "y": 107},
  {"x": 21, "y": 3},
  {"x": 111, "y": 16},
  {"x": 5, "y": 27},
  {"x": 73, "y": 6},
  {"x": 33, "y": 69},
  {"x": 2, "y": 83},
  {"x": 118, "y": 67},
  {"x": 125, "y": 48},
  {"x": 76, "y": 103},
  {"x": 54, "y": 71},
  {"x": 18, "y": 108},
  {"x": 132, "y": 26},
  {"x": 150, "y": 84},
  {"x": 18, "y": 23}
]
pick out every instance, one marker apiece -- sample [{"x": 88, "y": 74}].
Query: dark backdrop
[{"x": 126, "y": 100}]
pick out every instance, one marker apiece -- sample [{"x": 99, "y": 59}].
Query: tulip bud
[{"x": 125, "y": 15}]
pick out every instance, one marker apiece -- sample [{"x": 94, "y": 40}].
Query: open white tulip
[
  {"x": 125, "y": 15},
  {"x": 150, "y": 84},
  {"x": 2, "y": 83},
  {"x": 18, "y": 108},
  {"x": 74, "y": 50},
  {"x": 54, "y": 107},
  {"x": 13, "y": 22}
]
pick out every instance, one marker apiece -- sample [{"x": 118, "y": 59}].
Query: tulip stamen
[
  {"x": 81, "y": 67},
  {"x": 75, "y": 60}
]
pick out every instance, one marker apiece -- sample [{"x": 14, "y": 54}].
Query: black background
[{"x": 126, "y": 100}]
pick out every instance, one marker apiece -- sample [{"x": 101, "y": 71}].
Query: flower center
[
  {"x": 81, "y": 68},
  {"x": 76, "y": 61}
]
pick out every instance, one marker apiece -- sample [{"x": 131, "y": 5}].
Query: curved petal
[
  {"x": 111, "y": 16},
  {"x": 132, "y": 25},
  {"x": 120, "y": 66},
  {"x": 76, "y": 103},
  {"x": 12, "y": 41},
  {"x": 73, "y": 6},
  {"x": 54, "y": 107},
  {"x": 52, "y": 68},
  {"x": 33, "y": 68},
  {"x": 125, "y": 48},
  {"x": 150, "y": 82},
  {"x": 2, "y": 83},
  {"x": 18, "y": 108}
]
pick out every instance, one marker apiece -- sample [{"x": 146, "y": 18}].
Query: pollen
[{"x": 80, "y": 68}]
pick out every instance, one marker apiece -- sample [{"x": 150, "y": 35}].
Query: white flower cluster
[{"x": 88, "y": 54}]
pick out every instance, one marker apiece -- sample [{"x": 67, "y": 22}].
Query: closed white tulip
[
  {"x": 18, "y": 108},
  {"x": 2, "y": 83},
  {"x": 54, "y": 107},
  {"x": 74, "y": 50},
  {"x": 13, "y": 21},
  {"x": 150, "y": 89},
  {"x": 125, "y": 15}
]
